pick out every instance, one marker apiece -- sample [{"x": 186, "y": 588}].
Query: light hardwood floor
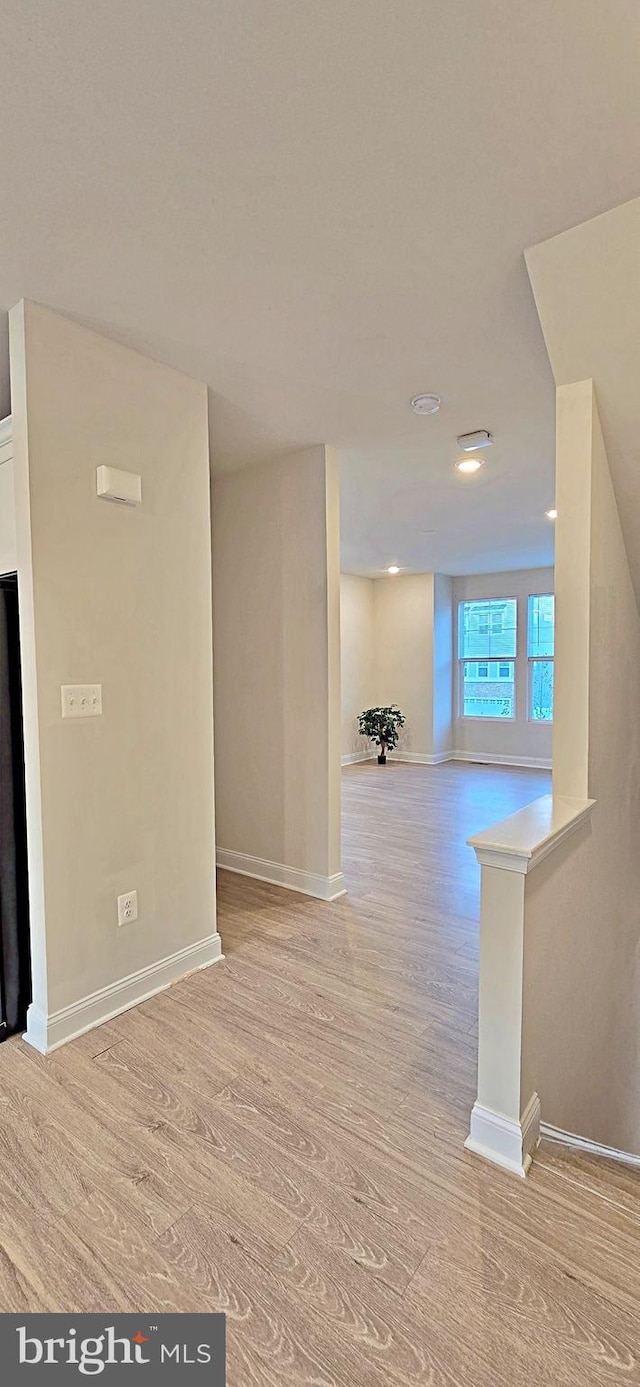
[{"x": 281, "y": 1135}]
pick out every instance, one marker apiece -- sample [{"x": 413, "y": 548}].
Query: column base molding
[{"x": 506, "y": 1143}]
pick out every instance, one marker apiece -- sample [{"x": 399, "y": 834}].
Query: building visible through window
[
  {"x": 487, "y": 639},
  {"x": 540, "y": 652}
]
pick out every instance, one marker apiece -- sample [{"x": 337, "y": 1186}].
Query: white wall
[
  {"x": 276, "y": 667},
  {"x": 357, "y": 637},
  {"x": 399, "y": 645},
  {"x": 119, "y": 596},
  {"x": 582, "y": 920},
  {"x": 574, "y": 496},
  {"x": 519, "y": 739},
  {"x": 442, "y": 664},
  {"x": 403, "y": 655},
  {"x": 412, "y": 661}
]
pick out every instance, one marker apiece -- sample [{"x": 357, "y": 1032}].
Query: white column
[
  {"x": 505, "y": 1121},
  {"x": 502, "y": 1129}
]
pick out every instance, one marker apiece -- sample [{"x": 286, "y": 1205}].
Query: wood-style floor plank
[{"x": 281, "y": 1137}]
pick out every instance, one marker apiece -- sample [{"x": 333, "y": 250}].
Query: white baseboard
[
  {"x": 420, "y": 758},
  {"x": 506, "y": 1143},
  {"x": 591, "y": 1148},
  {"x": 540, "y": 763},
  {"x": 47, "y": 1033},
  {"x": 482, "y": 758},
  {"x": 292, "y": 878}
]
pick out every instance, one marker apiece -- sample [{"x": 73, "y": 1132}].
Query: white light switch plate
[{"x": 81, "y": 700}]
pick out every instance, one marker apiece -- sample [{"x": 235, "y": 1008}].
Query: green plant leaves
[{"x": 382, "y": 725}]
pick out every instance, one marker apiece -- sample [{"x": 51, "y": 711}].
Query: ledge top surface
[{"x": 524, "y": 838}]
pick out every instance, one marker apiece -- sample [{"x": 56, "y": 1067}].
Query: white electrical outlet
[
  {"x": 127, "y": 908},
  {"x": 81, "y": 700}
]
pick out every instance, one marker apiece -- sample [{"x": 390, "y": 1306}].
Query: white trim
[
  {"x": 506, "y": 1143},
  {"x": 277, "y": 874},
  {"x": 6, "y": 439},
  {"x": 47, "y": 1033},
  {"x": 420, "y": 757},
  {"x": 593, "y": 1148},
  {"x": 487, "y": 717},
  {"x": 489, "y": 758},
  {"x": 481, "y": 758},
  {"x": 519, "y": 843}
]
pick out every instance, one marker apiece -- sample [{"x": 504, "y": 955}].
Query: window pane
[
  {"x": 485, "y": 697},
  {"x": 541, "y": 624},
  {"x": 487, "y": 629},
  {"x": 541, "y": 690}
]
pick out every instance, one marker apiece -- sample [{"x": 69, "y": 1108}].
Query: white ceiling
[{"x": 320, "y": 208}]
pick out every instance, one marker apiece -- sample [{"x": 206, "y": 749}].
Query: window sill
[{"x": 477, "y": 717}]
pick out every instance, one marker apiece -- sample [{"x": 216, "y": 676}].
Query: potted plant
[{"x": 382, "y": 726}]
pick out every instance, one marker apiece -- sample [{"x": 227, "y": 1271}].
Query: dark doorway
[{"x": 15, "y": 962}]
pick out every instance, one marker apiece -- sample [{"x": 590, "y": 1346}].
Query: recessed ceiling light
[
  {"x": 426, "y": 404},
  {"x": 393, "y": 568},
  {"x": 551, "y": 514},
  {"x": 469, "y": 464}
]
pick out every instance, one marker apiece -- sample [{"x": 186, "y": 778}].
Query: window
[
  {"x": 486, "y": 654},
  {"x": 540, "y": 651}
]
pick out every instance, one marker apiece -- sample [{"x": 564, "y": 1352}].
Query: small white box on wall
[{"x": 116, "y": 485}]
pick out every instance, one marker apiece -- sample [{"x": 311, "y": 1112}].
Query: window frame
[
  {"x": 540, "y": 659},
  {"x": 465, "y": 660}
]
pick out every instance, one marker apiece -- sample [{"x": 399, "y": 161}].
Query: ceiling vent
[{"x": 470, "y": 441}]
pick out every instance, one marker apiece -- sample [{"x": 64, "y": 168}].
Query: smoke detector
[
  {"x": 470, "y": 441},
  {"x": 426, "y": 404}
]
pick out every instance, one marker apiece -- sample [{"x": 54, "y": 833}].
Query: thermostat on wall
[{"x": 115, "y": 485}]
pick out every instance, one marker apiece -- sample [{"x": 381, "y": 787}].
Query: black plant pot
[{"x": 382, "y": 760}]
